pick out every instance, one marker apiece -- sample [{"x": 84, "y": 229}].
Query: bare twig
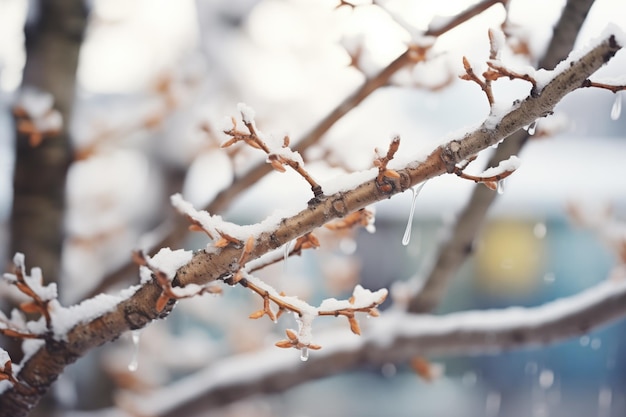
[{"x": 611, "y": 87}]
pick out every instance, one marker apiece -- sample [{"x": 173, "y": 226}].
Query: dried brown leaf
[
  {"x": 284, "y": 344},
  {"x": 291, "y": 335},
  {"x": 30, "y": 307},
  {"x": 423, "y": 368},
  {"x": 492, "y": 185},
  {"x": 257, "y": 314},
  {"x": 354, "y": 325},
  {"x": 161, "y": 302}
]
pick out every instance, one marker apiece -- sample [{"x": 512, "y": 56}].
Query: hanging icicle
[
  {"x": 133, "y": 365},
  {"x": 616, "y": 110},
  {"x": 407, "y": 232}
]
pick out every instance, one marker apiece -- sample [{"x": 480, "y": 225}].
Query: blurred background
[{"x": 158, "y": 80}]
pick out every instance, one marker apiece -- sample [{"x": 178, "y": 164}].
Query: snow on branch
[
  {"x": 104, "y": 318},
  {"x": 491, "y": 177},
  {"x": 278, "y": 155},
  {"x": 395, "y": 337},
  {"x": 414, "y": 54},
  {"x": 425, "y": 295}
]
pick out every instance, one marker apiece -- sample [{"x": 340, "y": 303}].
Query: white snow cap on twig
[
  {"x": 247, "y": 112},
  {"x": 167, "y": 261},
  {"x": 34, "y": 280},
  {"x": 362, "y": 298},
  {"x": 508, "y": 165}
]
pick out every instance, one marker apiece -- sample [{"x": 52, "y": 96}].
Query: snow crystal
[
  {"x": 439, "y": 22},
  {"x": 498, "y": 39},
  {"x": 30, "y": 347},
  {"x": 247, "y": 112},
  {"x": 18, "y": 260},
  {"x": 287, "y": 153},
  {"x": 361, "y": 298},
  {"x": 35, "y": 102},
  {"x": 352, "y": 43},
  {"x": 497, "y": 112},
  {"x": 50, "y": 122},
  {"x": 553, "y": 124},
  {"x": 4, "y": 358},
  {"x": 305, "y": 322},
  {"x": 349, "y": 181},
  {"x": 169, "y": 261},
  {"x": 215, "y": 224},
  {"x": 34, "y": 280},
  {"x": 544, "y": 77}
]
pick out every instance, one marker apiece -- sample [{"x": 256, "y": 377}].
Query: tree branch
[
  {"x": 394, "y": 337},
  {"x": 242, "y": 183},
  {"x": 134, "y": 312},
  {"x": 459, "y": 245}
]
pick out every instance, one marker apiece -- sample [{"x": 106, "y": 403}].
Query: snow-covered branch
[
  {"x": 459, "y": 245},
  {"x": 137, "y": 308},
  {"x": 394, "y": 337},
  {"x": 353, "y": 193}
]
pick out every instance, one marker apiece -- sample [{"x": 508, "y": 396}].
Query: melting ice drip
[
  {"x": 304, "y": 354},
  {"x": 133, "y": 365},
  {"x": 286, "y": 250},
  {"x": 616, "y": 110},
  {"x": 500, "y": 187},
  {"x": 407, "y": 232}
]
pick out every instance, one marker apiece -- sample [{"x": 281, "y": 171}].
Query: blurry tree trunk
[
  {"x": 52, "y": 45},
  {"x": 53, "y": 41}
]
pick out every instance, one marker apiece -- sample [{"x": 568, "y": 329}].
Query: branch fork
[
  {"x": 387, "y": 177},
  {"x": 277, "y": 157},
  {"x": 170, "y": 293}
]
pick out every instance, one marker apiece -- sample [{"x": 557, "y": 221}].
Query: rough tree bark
[{"x": 52, "y": 45}]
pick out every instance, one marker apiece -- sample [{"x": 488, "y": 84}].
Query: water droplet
[
  {"x": 304, "y": 354},
  {"x": 531, "y": 128},
  {"x": 287, "y": 249},
  {"x": 347, "y": 245},
  {"x": 500, "y": 187},
  {"x": 469, "y": 378},
  {"x": 133, "y": 365},
  {"x": 407, "y": 232},
  {"x": 605, "y": 398},
  {"x": 546, "y": 378},
  {"x": 596, "y": 343},
  {"x": 541, "y": 410},
  {"x": 549, "y": 277},
  {"x": 531, "y": 368},
  {"x": 492, "y": 404},
  {"x": 540, "y": 230},
  {"x": 388, "y": 370},
  {"x": 616, "y": 110},
  {"x": 584, "y": 340}
]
